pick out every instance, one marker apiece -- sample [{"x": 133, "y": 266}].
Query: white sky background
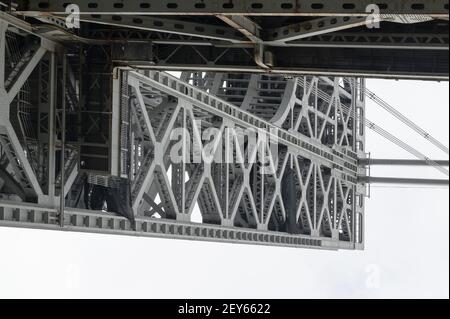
[{"x": 407, "y": 241}]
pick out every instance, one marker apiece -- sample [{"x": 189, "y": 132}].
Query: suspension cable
[
  {"x": 405, "y": 146},
  {"x": 393, "y": 111}
]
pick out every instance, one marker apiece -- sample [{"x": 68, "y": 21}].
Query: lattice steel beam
[
  {"x": 374, "y": 40},
  {"x": 29, "y": 124},
  {"x": 378, "y": 40},
  {"x": 158, "y": 24},
  {"x": 317, "y": 27},
  {"x": 329, "y": 25},
  {"x": 9, "y": 89}
]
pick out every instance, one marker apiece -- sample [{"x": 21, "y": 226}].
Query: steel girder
[
  {"x": 373, "y": 40},
  {"x": 434, "y": 8},
  {"x": 13, "y": 214},
  {"x": 400, "y": 52},
  {"x": 400, "y": 41},
  {"x": 169, "y": 26},
  {"x": 338, "y": 61},
  {"x": 307, "y": 39}
]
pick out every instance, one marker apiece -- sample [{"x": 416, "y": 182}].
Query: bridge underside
[
  {"x": 255, "y": 139},
  {"x": 396, "y": 39}
]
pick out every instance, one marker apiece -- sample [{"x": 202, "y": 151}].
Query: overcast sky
[{"x": 407, "y": 241}]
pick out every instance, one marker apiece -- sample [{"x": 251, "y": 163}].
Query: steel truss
[
  {"x": 312, "y": 189},
  {"x": 307, "y": 37},
  {"x": 260, "y": 141},
  {"x": 30, "y": 124},
  {"x": 309, "y": 200},
  {"x": 302, "y": 191}
]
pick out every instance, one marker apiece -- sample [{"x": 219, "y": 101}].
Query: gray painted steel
[
  {"x": 87, "y": 117},
  {"x": 306, "y": 37},
  {"x": 435, "y": 8}
]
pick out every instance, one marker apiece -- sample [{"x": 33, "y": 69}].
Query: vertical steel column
[
  {"x": 3, "y": 28},
  {"x": 63, "y": 141},
  {"x": 51, "y": 128}
]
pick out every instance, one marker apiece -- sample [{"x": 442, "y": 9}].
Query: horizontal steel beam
[
  {"x": 400, "y": 162},
  {"x": 326, "y": 29},
  {"x": 397, "y": 41},
  {"x": 26, "y": 27},
  {"x": 434, "y": 8},
  {"x": 346, "y": 62},
  {"x": 15, "y": 214},
  {"x": 407, "y": 181},
  {"x": 361, "y": 54},
  {"x": 285, "y": 71},
  {"x": 316, "y": 27},
  {"x": 356, "y": 40}
]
